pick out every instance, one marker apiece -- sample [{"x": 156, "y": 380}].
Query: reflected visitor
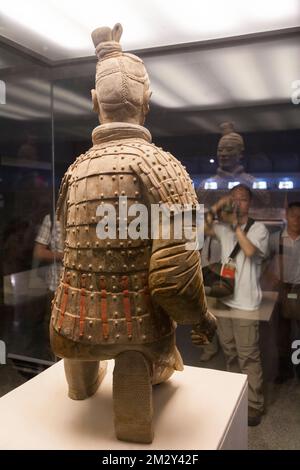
[{"x": 239, "y": 337}]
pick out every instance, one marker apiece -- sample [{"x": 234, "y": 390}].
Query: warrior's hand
[{"x": 204, "y": 332}]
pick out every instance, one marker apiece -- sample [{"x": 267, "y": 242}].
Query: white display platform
[
  {"x": 195, "y": 409},
  {"x": 263, "y": 313}
]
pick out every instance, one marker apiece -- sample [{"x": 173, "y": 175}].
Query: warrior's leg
[
  {"x": 83, "y": 377},
  {"x": 132, "y": 397}
]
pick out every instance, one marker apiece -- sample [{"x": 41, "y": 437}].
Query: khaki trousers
[{"x": 239, "y": 341}]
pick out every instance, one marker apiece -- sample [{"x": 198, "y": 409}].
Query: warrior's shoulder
[{"x": 164, "y": 175}]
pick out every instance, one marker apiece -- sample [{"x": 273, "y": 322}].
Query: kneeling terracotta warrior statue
[{"x": 119, "y": 297}]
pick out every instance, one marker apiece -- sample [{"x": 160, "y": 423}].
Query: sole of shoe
[{"x": 132, "y": 398}]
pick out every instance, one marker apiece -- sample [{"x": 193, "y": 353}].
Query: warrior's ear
[
  {"x": 95, "y": 101},
  {"x": 117, "y": 32}
]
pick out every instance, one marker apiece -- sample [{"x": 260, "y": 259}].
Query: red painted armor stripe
[
  {"x": 103, "y": 308},
  {"x": 64, "y": 301},
  {"x": 126, "y": 305},
  {"x": 82, "y": 311},
  {"x": 82, "y": 306}
]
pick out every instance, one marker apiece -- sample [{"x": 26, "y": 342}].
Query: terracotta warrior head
[
  {"x": 122, "y": 85},
  {"x": 230, "y": 147}
]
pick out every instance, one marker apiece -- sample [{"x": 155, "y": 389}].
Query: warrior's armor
[{"x": 120, "y": 294}]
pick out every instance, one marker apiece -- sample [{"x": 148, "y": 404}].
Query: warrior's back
[{"x": 103, "y": 297}]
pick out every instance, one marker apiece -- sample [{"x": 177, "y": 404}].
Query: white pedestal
[{"x": 196, "y": 409}]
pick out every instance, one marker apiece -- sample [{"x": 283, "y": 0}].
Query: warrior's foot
[
  {"x": 84, "y": 389},
  {"x": 132, "y": 397}
]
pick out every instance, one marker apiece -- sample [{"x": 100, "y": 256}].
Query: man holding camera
[{"x": 239, "y": 337}]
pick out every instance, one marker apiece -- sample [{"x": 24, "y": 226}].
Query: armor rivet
[
  {"x": 122, "y": 158},
  {"x": 113, "y": 177},
  {"x": 139, "y": 310},
  {"x": 121, "y": 177},
  {"x": 116, "y": 193},
  {"x": 123, "y": 253},
  {"x": 77, "y": 228},
  {"x": 114, "y": 167},
  {"x": 88, "y": 244},
  {"x": 114, "y": 297},
  {"x": 73, "y": 265},
  {"x": 92, "y": 297},
  {"x": 123, "y": 193},
  {"x": 144, "y": 337},
  {"x": 116, "y": 323},
  {"x": 133, "y": 266},
  {"x": 129, "y": 336},
  {"x": 89, "y": 337},
  {"x": 129, "y": 252},
  {"x": 109, "y": 253},
  {"x": 74, "y": 275},
  {"x": 121, "y": 244},
  {"x": 116, "y": 314},
  {"x": 93, "y": 219},
  {"x": 101, "y": 177},
  {"x": 117, "y": 336},
  {"x": 97, "y": 244},
  {"x": 79, "y": 252},
  {"x": 86, "y": 229},
  {"x": 102, "y": 195},
  {"x": 137, "y": 193},
  {"x": 72, "y": 293},
  {"x": 108, "y": 244},
  {"x": 114, "y": 287},
  {"x": 129, "y": 243},
  {"x": 124, "y": 266},
  {"x": 78, "y": 245},
  {"x": 134, "y": 179},
  {"x": 100, "y": 268},
  {"x": 90, "y": 323},
  {"x": 77, "y": 208},
  {"x": 122, "y": 168},
  {"x": 90, "y": 266},
  {"x": 140, "y": 320}
]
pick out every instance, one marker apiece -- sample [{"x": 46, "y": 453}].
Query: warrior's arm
[{"x": 176, "y": 284}]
